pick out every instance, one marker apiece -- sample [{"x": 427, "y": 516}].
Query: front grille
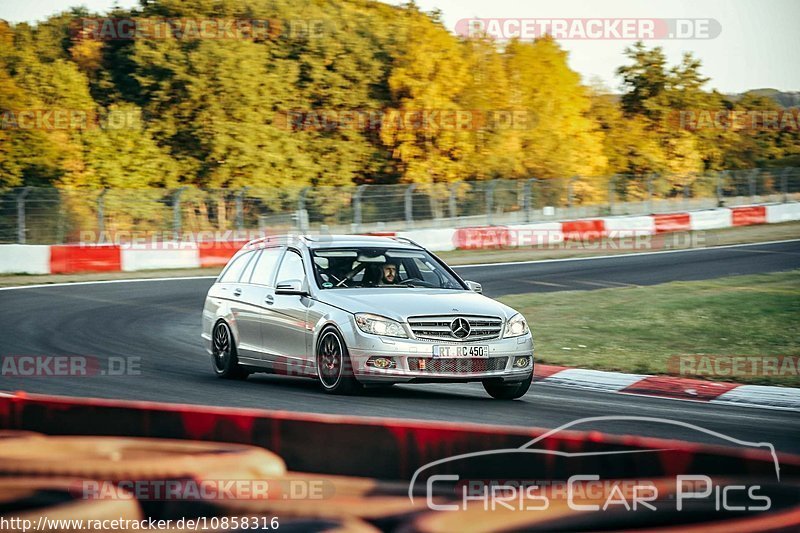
[
  {"x": 438, "y": 328},
  {"x": 456, "y": 365}
]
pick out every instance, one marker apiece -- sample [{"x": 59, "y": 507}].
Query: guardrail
[
  {"x": 130, "y": 255},
  {"x": 32, "y": 215}
]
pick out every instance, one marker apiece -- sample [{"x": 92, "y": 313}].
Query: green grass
[{"x": 638, "y": 329}]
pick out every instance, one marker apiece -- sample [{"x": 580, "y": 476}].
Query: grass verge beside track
[{"x": 638, "y": 329}]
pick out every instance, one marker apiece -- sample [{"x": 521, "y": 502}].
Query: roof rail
[
  {"x": 277, "y": 239},
  {"x": 408, "y": 241}
]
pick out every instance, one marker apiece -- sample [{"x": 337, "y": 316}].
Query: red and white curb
[{"x": 670, "y": 387}]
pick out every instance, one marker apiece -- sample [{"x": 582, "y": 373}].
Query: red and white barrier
[
  {"x": 538, "y": 234},
  {"x": 783, "y": 213},
  {"x": 624, "y": 227},
  {"x": 69, "y": 259},
  {"x": 217, "y": 254},
  {"x": 749, "y": 215},
  {"x": 584, "y": 230},
  {"x": 481, "y": 237},
  {"x": 437, "y": 240},
  {"x": 63, "y": 259},
  {"x": 672, "y": 222},
  {"x": 24, "y": 259},
  {"x": 155, "y": 257},
  {"x": 711, "y": 219}
]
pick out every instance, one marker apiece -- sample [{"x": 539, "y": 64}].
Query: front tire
[
  {"x": 507, "y": 391},
  {"x": 224, "y": 357},
  {"x": 334, "y": 368}
]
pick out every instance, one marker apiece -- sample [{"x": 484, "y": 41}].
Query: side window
[
  {"x": 248, "y": 270},
  {"x": 234, "y": 270},
  {"x": 402, "y": 273},
  {"x": 427, "y": 271},
  {"x": 291, "y": 267},
  {"x": 265, "y": 268}
]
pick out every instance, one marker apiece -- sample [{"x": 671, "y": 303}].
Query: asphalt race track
[
  {"x": 158, "y": 321},
  {"x": 640, "y": 269}
]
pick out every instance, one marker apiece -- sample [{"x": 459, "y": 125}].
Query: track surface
[
  {"x": 638, "y": 269},
  {"x": 158, "y": 322}
]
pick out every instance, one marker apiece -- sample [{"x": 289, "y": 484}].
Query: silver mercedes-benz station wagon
[{"x": 355, "y": 310}]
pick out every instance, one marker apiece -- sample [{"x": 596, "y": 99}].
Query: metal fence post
[
  {"x": 650, "y": 178},
  {"x": 62, "y": 216},
  {"x": 21, "y": 230},
  {"x": 612, "y": 187},
  {"x": 357, "y": 207},
  {"x": 452, "y": 201},
  {"x": 570, "y": 181},
  {"x": 301, "y": 199},
  {"x": 302, "y": 217},
  {"x": 526, "y": 198},
  {"x": 751, "y": 181},
  {"x": 176, "y": 213},
  {"x": 720, "y": 199},
  {"x": 785, "y": 183},
  {"x": 685, "y": 195},
  {"x": 101, "y": 218},
  {"x": 490, "y": 200},
  {"x": 240, "y": 208},
  {"x": 409, "y": 204}
]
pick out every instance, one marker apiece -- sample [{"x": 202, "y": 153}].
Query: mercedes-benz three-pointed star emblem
[{"x": 460, "y": 328}]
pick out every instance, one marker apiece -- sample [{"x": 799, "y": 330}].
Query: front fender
[{"x": 327, "y": 315}]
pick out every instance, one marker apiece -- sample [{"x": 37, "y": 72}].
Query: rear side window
[
  {"x": 265, "y": 267},
  {"x": 248, "y": 270},
  {"x": 234, "y": 270}
]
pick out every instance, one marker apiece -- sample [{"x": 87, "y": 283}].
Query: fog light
[
  {"x": 521, "y": 362},
  {"x": 381, "y": 362}
]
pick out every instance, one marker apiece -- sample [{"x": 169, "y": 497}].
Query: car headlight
[
  {"x": 516, "y": 326},
  {"x": 379, "y": 325}
]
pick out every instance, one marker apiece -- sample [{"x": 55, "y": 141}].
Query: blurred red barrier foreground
[
  {"x": 392, "y": 449},
  {"x": 463, "y": 477}
]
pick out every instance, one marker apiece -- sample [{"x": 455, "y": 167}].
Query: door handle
[
  {"x": 269, "y": 299},
  {"x": 237, "y": 292}
]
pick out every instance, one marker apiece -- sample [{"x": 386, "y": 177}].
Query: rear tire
[
  {"x": 507, "y": 391},
  {"x": 224, "y": 358},
  {"x": 334, "y": 368}
]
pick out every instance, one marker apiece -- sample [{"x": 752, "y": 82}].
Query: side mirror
[
  {"x": 291, "y": 286},
  {"x": 474, "y": 286}
]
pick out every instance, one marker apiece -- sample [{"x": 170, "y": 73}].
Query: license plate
[{"x": 460, "y": 351}]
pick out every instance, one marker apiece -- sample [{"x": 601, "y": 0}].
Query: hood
[{"x": 399, "y": 304}]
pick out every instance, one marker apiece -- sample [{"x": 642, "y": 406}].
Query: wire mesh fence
[{"x": 36, "y": 215}]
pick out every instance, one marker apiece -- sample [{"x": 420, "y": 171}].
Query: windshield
[{"x": 345, "y": 268}]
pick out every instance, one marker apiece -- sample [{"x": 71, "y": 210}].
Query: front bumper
[{"x": 414, "y": 361}]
